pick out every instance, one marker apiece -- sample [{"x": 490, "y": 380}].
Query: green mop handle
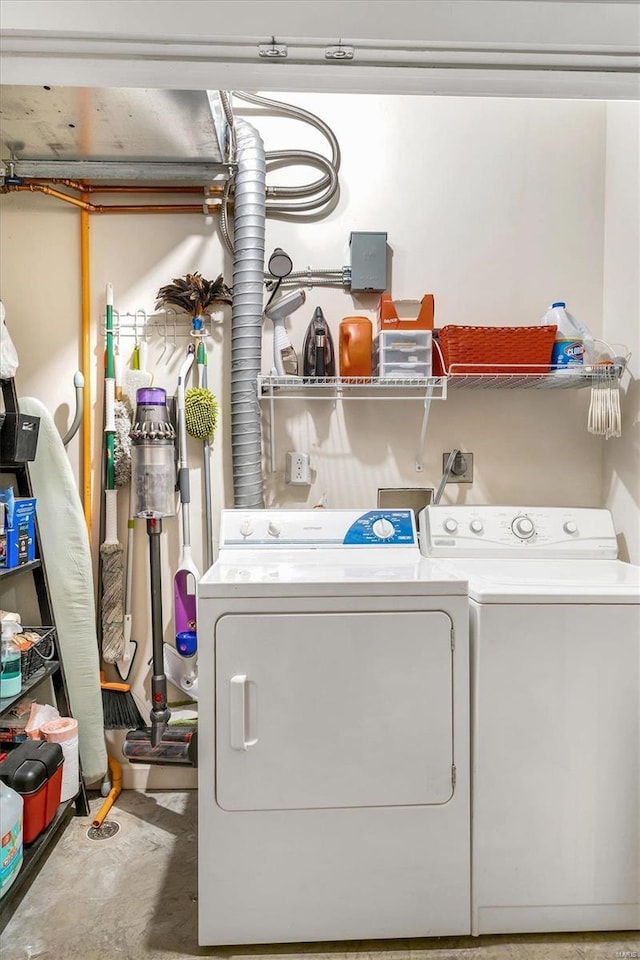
[
  {"x": 201, "y": 360},
  {"x": 109, "y": 397}
]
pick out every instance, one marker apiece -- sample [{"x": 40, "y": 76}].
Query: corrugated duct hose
[
  {"x": 246, "y": 316},
  {"x": 248, "y": 249}
]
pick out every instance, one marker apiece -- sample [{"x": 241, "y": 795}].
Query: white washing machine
[
  {"x": 555, "y": 665},
  {"x": 333, "y": 732}
]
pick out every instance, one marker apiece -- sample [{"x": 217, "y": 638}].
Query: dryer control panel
[
  {"x": 317, "y": 529},
  {"x": 534, "y": 532}
]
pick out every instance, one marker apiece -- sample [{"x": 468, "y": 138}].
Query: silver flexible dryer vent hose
[{"x": 246, "y": 317}]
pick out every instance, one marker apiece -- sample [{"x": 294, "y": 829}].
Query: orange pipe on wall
[{"x": 87, "y": 208}]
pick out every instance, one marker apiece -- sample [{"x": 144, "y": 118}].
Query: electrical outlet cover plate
[
  {"x": 298, "y": 469},
  {"x": 467, "y": 476}
]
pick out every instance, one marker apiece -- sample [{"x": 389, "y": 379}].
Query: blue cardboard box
[{"x": 18, "y": 541}]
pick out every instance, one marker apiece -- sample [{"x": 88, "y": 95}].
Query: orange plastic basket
[{"x": 496, "y": 349}]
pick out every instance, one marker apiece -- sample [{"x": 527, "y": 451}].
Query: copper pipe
[
  {"x": 157, "y": 208},
  {"x": 113, "y": 208},
  {"x": 41, "y": 188},
  {"x": 211, "y": 191},
  {"x": 85, "y": 292}
]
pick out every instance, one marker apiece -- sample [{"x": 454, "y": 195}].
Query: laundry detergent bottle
[
  {"x": 572, "y": 337},
  {"x": 11, "y": 813}
]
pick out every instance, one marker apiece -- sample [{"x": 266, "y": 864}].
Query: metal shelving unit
[
  {"x": 352, "y": 388},
  {"x": 46, "y": 670},
  {"x": 35, "y": 854}
]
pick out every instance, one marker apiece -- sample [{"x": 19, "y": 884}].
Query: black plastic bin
[{"x": 19, "y": 437}]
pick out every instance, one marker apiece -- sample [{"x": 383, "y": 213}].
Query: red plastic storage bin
[{"x": 34, "y": 770}]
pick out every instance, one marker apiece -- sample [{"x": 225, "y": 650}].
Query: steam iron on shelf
[{"x": 319, "y": 358}]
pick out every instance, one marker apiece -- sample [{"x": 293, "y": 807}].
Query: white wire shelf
[
  {"x": 522, "y": 378},
  {"x": 435, "y": 388},
  {"x": 352, "y": 388}
]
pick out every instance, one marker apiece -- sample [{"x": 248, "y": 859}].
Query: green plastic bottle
[{"x": 10, "y": 667}]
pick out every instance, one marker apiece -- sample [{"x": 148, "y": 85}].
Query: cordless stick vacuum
[{"x": 153, "y": 477}]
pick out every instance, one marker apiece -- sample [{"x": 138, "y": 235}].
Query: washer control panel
[
  {"x": 318, "y": 529},
  {"x": 542, "y": 532}
]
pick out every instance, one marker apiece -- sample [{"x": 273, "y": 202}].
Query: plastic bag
[
  {"x": 8, "y": 353},
  {"x": 40, "y": 713}
]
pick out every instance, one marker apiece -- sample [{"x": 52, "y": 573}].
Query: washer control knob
[
  {"x": 246, "y": 528},
  {"x": 274, "y": 529},
  {"x": 523, "y": 528},
  {"x": 570, "y": 526},
  {"x": 450, "y": 525},
  {"x": 383, "y": 529},
  {"x": 476, "y": 526}
]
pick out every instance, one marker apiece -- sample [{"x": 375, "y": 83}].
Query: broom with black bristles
[{"x": 119, "y": 707}]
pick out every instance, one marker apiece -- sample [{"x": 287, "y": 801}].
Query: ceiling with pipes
[{"x": 112, "y": 134}]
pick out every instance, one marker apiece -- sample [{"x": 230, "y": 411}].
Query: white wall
[
  {"x": 496, "y": 207},
  {"x": 622, "y": 316}
]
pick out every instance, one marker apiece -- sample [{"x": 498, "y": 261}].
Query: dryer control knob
[
  {"x": 570, "y": 527},
  {"x": 383, "y": 529},
  {"x": 450, "y": 525},
  {"x": 476, "y": 526},
  {"x": 246, "y": 528},
  {"x": 274, "y": 529},
  {"x": 523, "y": 528}
]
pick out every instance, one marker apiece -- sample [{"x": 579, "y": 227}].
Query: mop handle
[
  {"x": 203, "y": 382},
  {"x": 160, "y": 713},
  {"x": 109, "y": 396},
  {"x": 183, "y": 466}
]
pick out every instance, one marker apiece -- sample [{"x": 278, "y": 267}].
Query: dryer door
[{"x": 333, "y": 710}]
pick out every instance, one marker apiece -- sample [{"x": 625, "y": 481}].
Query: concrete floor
[{"x": 135, "y": 896}]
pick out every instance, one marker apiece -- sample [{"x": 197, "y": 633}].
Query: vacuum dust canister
[{"x": 153, "y": 472}]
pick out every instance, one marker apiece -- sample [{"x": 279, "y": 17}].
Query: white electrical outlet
[{"x": 298, "y": 469}]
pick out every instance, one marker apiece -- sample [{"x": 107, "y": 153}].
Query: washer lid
[{"x": 548, "y": 581}]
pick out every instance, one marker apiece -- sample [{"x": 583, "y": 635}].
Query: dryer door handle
[{"x": 240, "y": 713}]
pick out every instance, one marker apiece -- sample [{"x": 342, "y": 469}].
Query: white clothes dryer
[
  {"x": 333, "y": 732},
  {"x": 555, "y": 664}
]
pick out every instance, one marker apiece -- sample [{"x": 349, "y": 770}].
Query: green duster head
[{"x": 201, "y": 413}]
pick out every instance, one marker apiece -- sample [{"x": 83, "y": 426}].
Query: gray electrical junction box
[{"x": 368, "y": 262}]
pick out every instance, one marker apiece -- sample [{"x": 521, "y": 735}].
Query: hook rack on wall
[
  {"x": 166, "y": 324},
  {"x": 163, "y": 331}
]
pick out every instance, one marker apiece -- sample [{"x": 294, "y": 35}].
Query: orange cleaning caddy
[{"x": 405, "y": 314}]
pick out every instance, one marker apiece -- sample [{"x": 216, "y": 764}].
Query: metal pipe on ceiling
[
  {"x": 110, "y": 208},
  {"x": 211, "y": 190}
]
